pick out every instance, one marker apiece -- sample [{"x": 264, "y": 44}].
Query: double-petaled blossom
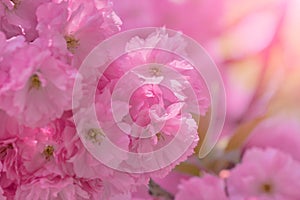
[
  {"x": 36, "y": 87},
  {"x": 164, "y": 93}
]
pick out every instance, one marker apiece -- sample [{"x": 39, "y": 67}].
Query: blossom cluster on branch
[{"x": 148, "y": 99}]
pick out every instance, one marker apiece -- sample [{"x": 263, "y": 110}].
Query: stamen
[
  {"x": 95, "y": 135},
  {"x": 155, "y": 71},
  {"x": 267, "y": 188},
  {"x": 35, "y": 82},
  {"x": 72, "y": 43},
  {"x": 48, "y": 152}
]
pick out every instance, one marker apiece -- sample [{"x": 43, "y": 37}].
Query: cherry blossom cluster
[
  {"x": 267, "y": 168},
  {"x": 148, "y": 99},
  {"x": 43, "y": 44}
]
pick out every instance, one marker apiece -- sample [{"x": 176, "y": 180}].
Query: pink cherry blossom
[
  {"x": 18, "y": 18},
  {"x": 76, "y": 27},
  {"x": 280, "y": 132},
  {"x": 38, "y": 87},
  {"x": 265, "y": 174},
  {"x": 147, "y": 100},
  {"x": 188, "y": 16},
  {"x": 57, "y": 188},
  {"x": 155, "y": 114},
  {"x": 202, "y": 188}
]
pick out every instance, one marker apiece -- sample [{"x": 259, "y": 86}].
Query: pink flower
[
  {"x": 204, "y": 188},
  {"x": 265, "y": 174},
  {"x": 18, "y": 17},
  {"x": 38, "y": 87},
  {"x": 74, "y": 28},
  {"x": 44, "y": 155},
  {"x": 281, "y": 132},
  {"x": 171, "y": 181},
  {"x": 9, "y": 160},
  {"x": 40, "y": 152},
  {"x": 122, "y": 183},
  {"x": 57, "y": 188},
  {"x": 161, "y": 98},
  {"x": 56, "y": 149}
]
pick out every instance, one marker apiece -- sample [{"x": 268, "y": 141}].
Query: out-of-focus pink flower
[
  {"x": 38, "y": 87},
  {"x": 198, "y": 19},
  {"x": 265, "y": 174},
  {"x": 204, "y": 188},
  {"x": 281, "y": 132},
  {"x": 254, "y": 69},
  {"x": 171, "y": 181}
]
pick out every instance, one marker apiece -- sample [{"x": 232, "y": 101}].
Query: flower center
[
  {"x": 72, "y": 43},
  {"x": 160, "y": 136},
  {"x": 154, "y": 71},
  {"x": 48, "y": 152},
  {"x": 35, "y": 82},
  {"x": 95, "y": 135},
  {"x": 267, "y": 188}
]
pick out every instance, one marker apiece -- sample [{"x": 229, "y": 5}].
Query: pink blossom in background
[
  {"x": 202, "y": 188},
  {"x": 280, "y": 132},
  {"x": 257, "y": 47},
  {"x": 197, "y": 19},
  {"x": 171, "y": 181},
  {"x": 265, "y": 174}
]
